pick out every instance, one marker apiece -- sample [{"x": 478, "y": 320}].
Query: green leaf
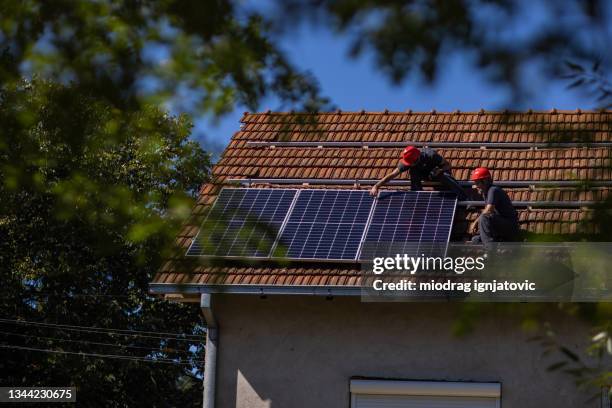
[
  {"x": 556, "y": 366},
  {"x": 573, "y": 356},
  {"x": 576, "y": 83},
  {"x": 573, "y": 66}
]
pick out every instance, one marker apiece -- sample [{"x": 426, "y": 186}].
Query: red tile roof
[{"x": 241, "y": 160}]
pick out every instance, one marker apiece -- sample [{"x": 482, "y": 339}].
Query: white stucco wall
[{"x": 297, "y": 351}]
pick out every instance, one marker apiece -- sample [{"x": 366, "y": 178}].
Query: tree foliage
[
  {"x": 124, "y": 50},
  {"x": 91, "y": 200},
  {"x": 95, "y": 177}
]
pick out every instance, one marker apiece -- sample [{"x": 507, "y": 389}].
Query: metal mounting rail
[
  {"x": 502, "y": 183},
  {"x": 472, "y": 145},
  {"x": 548, "y": 204}
]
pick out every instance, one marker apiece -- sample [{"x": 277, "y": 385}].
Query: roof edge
[{"x": 261, "y": 290}]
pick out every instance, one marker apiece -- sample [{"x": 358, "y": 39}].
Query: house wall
[{"x": 298, "y": 351}]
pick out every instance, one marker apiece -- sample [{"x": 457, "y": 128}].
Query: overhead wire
[
  {"x": 70, "y": 295},
  {"x": 97, "y": 355},
  {"x": 123, "y": 332},
  {"x": 95, "y": 343}
]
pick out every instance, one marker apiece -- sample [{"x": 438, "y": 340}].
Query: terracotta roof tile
[
  {"x": 398, "y": 126},
  {"x": 240, "y": 160}
]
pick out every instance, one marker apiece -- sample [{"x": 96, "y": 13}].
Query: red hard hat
[
  {"x": 410, "y": 155},
  {"x": 480, "y": 173}
]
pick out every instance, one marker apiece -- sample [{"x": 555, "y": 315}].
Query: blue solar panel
[
  {"x": 243, "y": 223},
  {"x": 326, "y": 225},
  {"x": 412, "y": 222}
]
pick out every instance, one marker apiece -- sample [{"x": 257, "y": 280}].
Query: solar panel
[
  {"x": 411, "y": 222},
  {"x": 243, "y": 223},
  {"x": 326, "y": 225}
]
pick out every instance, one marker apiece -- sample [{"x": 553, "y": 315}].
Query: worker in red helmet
[
  {"x": 499, "y": 220},
  {"x": 425, "y": 164}
]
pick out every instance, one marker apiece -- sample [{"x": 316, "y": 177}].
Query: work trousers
[{"x": 495, "y": 228}]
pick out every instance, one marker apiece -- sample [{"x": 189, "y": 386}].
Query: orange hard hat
[
  {"x": 480, "y": 173},
  {"x": 410, "y": 155}
]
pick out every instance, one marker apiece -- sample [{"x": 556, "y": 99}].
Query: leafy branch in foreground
[
  {"x": 593, "y": 374},
  {"x": 92, "y": 200}
]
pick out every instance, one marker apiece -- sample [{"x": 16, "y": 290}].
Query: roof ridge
[{"x": 433, "y": 112}]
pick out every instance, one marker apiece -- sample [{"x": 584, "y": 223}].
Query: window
[{"x": 419, "y": 394}]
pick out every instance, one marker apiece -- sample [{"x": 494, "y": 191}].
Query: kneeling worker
[
  {"x": 499, "y": 220},
  {"x": 425, "y": 164}
]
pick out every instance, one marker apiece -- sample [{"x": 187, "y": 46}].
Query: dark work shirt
[
  {"x": 503, "y": 205},
  {"x": 429, "y": 159}
]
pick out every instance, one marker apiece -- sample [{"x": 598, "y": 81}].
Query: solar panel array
[{"x": 331, "y": 225}]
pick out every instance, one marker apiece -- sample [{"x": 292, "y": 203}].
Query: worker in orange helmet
[
  {"x": 499, "y": 220},
  {"x": 425, "y": 164}
]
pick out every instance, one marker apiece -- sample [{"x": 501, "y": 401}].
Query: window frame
[{"x": 424, "y": 388}]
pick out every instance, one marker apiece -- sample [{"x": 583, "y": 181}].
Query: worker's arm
[
  {"x": 383, "y": 181},
  {"x": 473, "y": 228},
  {"x": 489, "y": 209}
]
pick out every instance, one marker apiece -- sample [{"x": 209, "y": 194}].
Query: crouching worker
[
  {"x": 498, "y": 221},
  {"x": 425, "y": 164}
]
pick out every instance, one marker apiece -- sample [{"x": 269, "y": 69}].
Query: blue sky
[{"x": 355, "y": 84}]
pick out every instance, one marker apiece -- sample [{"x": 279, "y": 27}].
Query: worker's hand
[
  {"x": 473, "y": 228},
  {"x": 374, "y": 191}
]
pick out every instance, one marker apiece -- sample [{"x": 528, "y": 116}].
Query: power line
[
  {"x": 71, "y": 295},
  {"x": 111, "y": 356},
  {"x": 94, "y": 342},
  {"x": 97, "y": 330},
  {"x": 123, "y": 332},
  {"x": 75, "y": 295}
]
